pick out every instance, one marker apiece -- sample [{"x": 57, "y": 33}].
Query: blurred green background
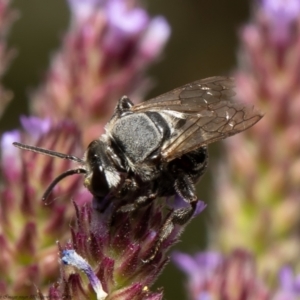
[{"x": 204, "y": 42}]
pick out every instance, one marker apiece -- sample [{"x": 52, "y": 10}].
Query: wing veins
[
  {"x": 209, "y": 111},
  {"x": 182, "y": 133}
]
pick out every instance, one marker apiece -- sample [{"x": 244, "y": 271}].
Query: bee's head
[
  {"x": 101, "y": 175},
  {"x": 98, "y": 166}
]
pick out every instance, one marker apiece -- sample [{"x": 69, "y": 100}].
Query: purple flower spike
[
  {"x": 286, "y": 277},
  {"x": 213, "y": 276},
  {"x": 30, "y": 229},
  {"x": 108, "y": 47},
  {"x": 70, "y": 257},
  {"x": 282, "y": 11},
  {"x": 267, "y": 165}
]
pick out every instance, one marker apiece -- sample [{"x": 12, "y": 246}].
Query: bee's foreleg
[
  {"x": 186, "y": 189},
  {"x": 139, "y": 202}
]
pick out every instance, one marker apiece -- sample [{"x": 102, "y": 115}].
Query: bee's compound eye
[
  {"x": 97, "y": 183},
  {"x": 96, "y": 159}
]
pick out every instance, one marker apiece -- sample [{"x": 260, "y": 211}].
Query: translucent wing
[{"x": 200, "y": 112}]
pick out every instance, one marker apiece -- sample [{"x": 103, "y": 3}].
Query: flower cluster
[
  {"x": 211, "y": 275},
  {"x": 260, "y": 183},
  {"x": 103, "y": 252},
  {"x": 29, "y": 229},
  {"x": 257, "y": 190},
  {"x": 104, "y": 53},
  {"x": 108, "y": 46},
  {"x": 115, "y": 247}
]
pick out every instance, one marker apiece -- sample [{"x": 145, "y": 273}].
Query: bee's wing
[{"x": 200, "y": 112}]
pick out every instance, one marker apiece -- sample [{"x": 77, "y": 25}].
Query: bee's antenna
[
  {"x": 59, "y": 178},
  {"x": 49, "y": 153}
]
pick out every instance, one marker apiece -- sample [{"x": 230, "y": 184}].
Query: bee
[{"x": 158, "y": 148}]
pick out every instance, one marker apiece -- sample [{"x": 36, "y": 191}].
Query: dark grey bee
[{"x": 159, "y": 147}]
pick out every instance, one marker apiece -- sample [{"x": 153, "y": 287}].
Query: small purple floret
[
  {"x": 82, "y": 9},
  {"x": 35, "y": 126},
  {"x": 289, "y": 285},
  {"x": 204, "y": 263},
  {"x": 282, "y": 11},
  {"x": 124, "y": 19},
  {"x": 178, "y": 202},
  {"x": 70, "y": 257},
  {"x": 282, "y": 14},
  {"x": 205, "y": 296},
  {"x": 185, "y": 262}
]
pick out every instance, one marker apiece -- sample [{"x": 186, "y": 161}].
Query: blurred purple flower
[
  {"x": 260, "y": 185},
  {"x": 83, "y": 9},
  {"x": 202, "y": 264},
  {"x": 104, "y": 54},
  {"x": 212, "y": 276},
  {"x": 289, "y": 285},
  {"x": 35, "y": 126},
  {"x": 282, "y": 14},
  {"x": 126, "y": 19},
  {"x": 29, "y": 230},
  {"x": 154, "y": 38}
]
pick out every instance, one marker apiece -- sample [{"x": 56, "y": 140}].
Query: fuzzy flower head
[
  {"x": 28, "y": 228},
  {"x": 111, "y": 252},
  {"x": 259, "y": 183},
  {"x": 107, "y": 48},
  {"x": 213, "y": 276},
  {"x": 70, "y": 257}
]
